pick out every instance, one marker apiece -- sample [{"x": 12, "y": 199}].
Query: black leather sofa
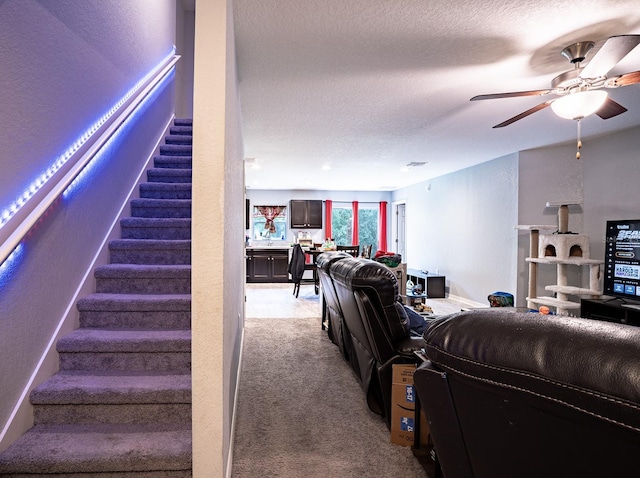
[
  {"x": 332, "y": 312},
  {"x": 375, "y": 331},
  {"x": 511, "y": 394}
]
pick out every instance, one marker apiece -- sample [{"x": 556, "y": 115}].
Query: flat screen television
[{"x": 622, "y": 261}]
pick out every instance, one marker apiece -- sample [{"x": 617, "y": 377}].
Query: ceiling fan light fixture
[{"x": 580, "y": 104}]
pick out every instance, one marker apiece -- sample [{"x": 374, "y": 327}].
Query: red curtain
[
  {"x": 354, "y": 227},
  {"x": 382, "y": 225},
  {"x": 328, "y": 214}
]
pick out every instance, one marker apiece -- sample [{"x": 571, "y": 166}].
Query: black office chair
[{"x": 297, "y": 267}]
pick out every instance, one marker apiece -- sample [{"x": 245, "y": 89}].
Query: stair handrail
[{"x": 16, "y": 227}]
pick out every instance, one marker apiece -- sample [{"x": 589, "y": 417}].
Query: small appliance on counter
[{"x": 304, "y": 239}]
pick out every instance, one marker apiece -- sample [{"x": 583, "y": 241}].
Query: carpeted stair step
[
  {"x": 173, "y": 162},
  {"x": 158, "y": 351},
  {"x": 165, "y": 190},
  {"x": 82, "y": 398},
  {"x": 175, "y": 149},
  {"x": 143, "y": 279},
  {"x": 154, "y": 228},
  {"x": 145, "y": 207},
  {"x": 150, "y": 251},
  {"x": 135, "y": 311},
  {"x": 107, "y": 451},
  {"x": 183, "y": 122},
  {"x": 120, "y": 405},
  {"x": 178, "y": 139},
  {"x": 181, "y": 130},
  {"x": 169, "y": 175}
]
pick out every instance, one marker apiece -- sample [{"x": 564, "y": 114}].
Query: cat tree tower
[{"x": 556, "y": 245}]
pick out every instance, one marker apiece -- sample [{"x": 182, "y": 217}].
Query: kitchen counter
[
  {"x": 268, "y": 248},
  {"x": 285, "y": 247}
]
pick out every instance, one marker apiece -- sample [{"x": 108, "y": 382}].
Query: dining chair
[{"x": 353, "y": 250}]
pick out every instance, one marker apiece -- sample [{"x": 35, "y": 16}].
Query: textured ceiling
[{"x": 365, "y": 87}]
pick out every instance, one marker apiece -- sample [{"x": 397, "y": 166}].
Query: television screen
[{"x": 622, "y": 259}]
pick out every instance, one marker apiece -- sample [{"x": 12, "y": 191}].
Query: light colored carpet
[{"x": 301, "y": 412}]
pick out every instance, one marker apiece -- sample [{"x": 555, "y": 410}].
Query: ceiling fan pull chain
[{"x": 579, "y": 141}]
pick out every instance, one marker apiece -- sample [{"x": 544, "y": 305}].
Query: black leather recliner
[
  {"x": 377, "y": 326},
  {"x": 510, "y": 394},
  {"x": 332, "y": 312}
]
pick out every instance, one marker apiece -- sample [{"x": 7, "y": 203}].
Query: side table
[{"x": 433, "y": 285}]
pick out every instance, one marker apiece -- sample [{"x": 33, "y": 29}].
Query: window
[
  {"x": 269, "y": 223},
  {"x": 341, "y": 224},
  {"x": 368, "y": 225}
]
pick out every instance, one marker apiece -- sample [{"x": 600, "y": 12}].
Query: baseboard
[
  {"x": 232, "y": 435},
  {"x": 468, "y": 302}
]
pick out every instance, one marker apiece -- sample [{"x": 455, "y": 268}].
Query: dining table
[{"x": 313, "y": 254}]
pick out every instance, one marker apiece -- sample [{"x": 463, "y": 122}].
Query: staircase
[{"x": 121, "y": 403}]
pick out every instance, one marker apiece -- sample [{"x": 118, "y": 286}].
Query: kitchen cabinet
[
  {"x": 306, "y": 213},
  {"x": 267, "y": 265}
]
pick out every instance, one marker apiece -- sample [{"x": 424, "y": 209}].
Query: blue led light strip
[
  {"x": 6, "y": 265},
  {"x": 109, "y": 124},
  {"x": 41, "y": 180}
]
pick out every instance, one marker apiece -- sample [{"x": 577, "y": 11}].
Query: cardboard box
[{"x": 403, "y": 403}]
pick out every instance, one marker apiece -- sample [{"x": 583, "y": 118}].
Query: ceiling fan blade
[
  {"x": 613, "y": 50},
  {"x": 513, "y": 94},
  {"x": 630, "y": 78},
  {"x": 610, "y": 109},
  {"x": 530, "y": 111}
]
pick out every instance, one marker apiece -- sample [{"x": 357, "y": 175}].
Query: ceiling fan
[{"x": 580, "y": 91}]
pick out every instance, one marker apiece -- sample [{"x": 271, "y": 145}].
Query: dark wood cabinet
[
  {"x": 306, "y": 213},
  {"x": 433, "y": 285},
  {"x": 265, "y": 265}
]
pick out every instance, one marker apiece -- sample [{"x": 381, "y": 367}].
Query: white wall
[
  {"x": 234, "y": 273},
  {"x": 548, "y": 174},
  {"x": 606, "y": 179},
  {"x": 64, "y": 64},
  {"x": 461, "y": 225},
  {"x": 611, "y": 184},
  {"x": 185, "y": 34},
  {"x": 217, "y": 238}
]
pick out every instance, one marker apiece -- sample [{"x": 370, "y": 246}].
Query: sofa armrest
[
  {"x": 433, "y": 391},
  {"x": 409, "y": 345}
]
